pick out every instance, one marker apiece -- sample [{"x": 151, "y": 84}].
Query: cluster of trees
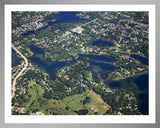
[
  {"x": 48, "y": 18},
  {"x": 54, "y": 30},
  {"x": 120, "y": 101},
  {"x": 143, "y": 48},
  {"x": 63, "y": 91},
  {"x": 63, "y": 88},
  {"x": 15, "y": 112},
  {"x": 140, "y": 17},
  {"x": 90, "y": 15},
  {"x": 74, "y": 80},
  {"x": 18, "y": 19},
  {"x": 86, "y": 100},
  {"x": 125, "y": 64},
  {"x": 36, "y": 75},
  {"x": 24, "y": 22},
  {"x": 70, "y": 80}
]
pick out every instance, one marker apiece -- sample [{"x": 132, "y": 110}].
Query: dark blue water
[
  {"x": 28, "y": 33},
  {"x": 36, "y": 49},
  {"x": 98, "y": 58},
  {"x": 67, "y": 17},
  {"x": 50, "y": 67},
  {"x": 103, "y": 58},
  {"x": 102, "y": 66},
  {"x": 61, "y": 17},
  {"x": 112, "y": 22},
  {"x": 142, "y": 59},
  {"x": 99, "y": 65},
  {"x": 101, "y": 43},
  {"x": 100, "y": 69},
  {"x": 15, "y": 59},
  {"x": 116, "y": 84},
  {"x": 139, "y": 86}
]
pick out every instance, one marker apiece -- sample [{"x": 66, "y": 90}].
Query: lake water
[
  {"x": 61, "y": 17},
  {"x": 142, "y": 59},
  {"x": 139, "y": 86},
  {"x": 15, "y": 59},
  {"x": 100, "y": 42},
  {"x": 99, "y": 65},
  {"x": 67, "y": 17},
  {"x": 50, "y": 67}
]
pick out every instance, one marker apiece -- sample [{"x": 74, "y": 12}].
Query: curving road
[{"x": 20, "y": 73}]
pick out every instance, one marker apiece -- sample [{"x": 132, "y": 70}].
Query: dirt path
[{"x": 20, "y": 73}]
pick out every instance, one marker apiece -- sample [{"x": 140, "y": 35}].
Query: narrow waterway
[{"x": 99, "y": 65}]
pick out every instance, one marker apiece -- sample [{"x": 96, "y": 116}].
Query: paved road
[{"x": 20, "y": 73}]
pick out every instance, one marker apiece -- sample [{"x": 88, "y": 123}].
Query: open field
[{"x": 67, "y": 106}]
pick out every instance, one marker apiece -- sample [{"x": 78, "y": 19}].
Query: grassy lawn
[
  {"x": 36, "y": 92},
  {"x": 67, "y": 106},
  {"x": 96, "y": 104}
]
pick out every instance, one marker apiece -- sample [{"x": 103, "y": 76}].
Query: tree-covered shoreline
[{"x": 128, "y": 35}]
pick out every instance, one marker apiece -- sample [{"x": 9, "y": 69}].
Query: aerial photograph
[{"x": 80, "y": 63}]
